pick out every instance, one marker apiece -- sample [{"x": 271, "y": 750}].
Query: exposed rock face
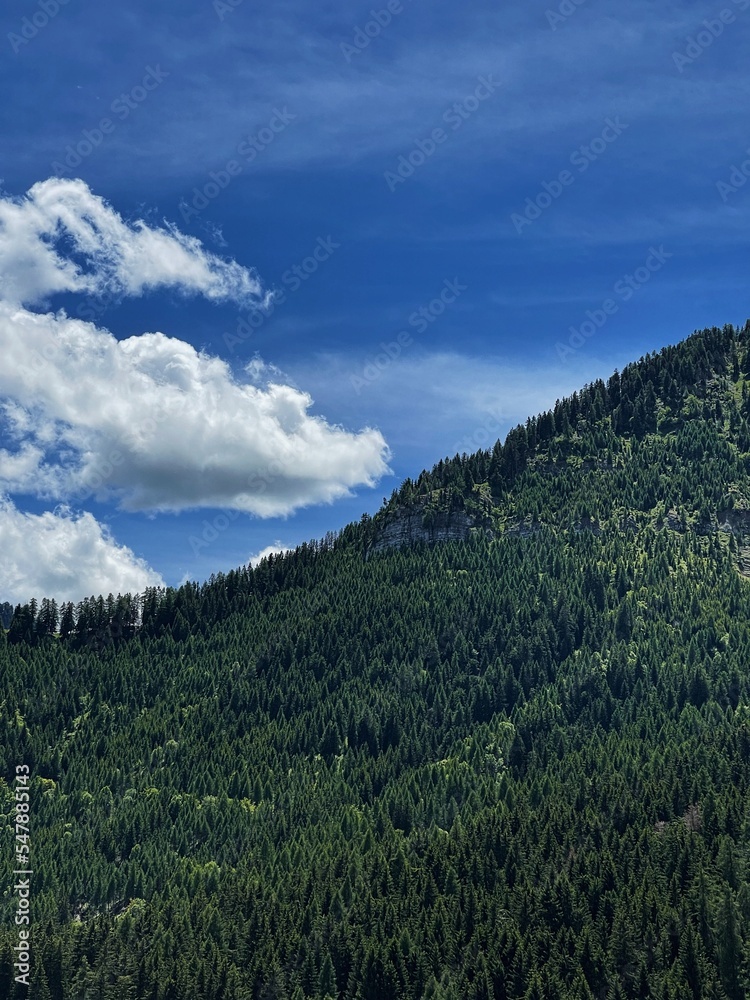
[
  {"x": 524, "y": 529},
  {"x": 588, "y": 524},
  {"x": 673, "y": 522},
  {"x": 735, "y": 521},
  {"x": 413, "y": 524},
  {"x": 408, "y": 525}
]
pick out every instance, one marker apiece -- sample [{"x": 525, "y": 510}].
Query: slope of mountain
[
  {"x": 664, "y": 442},
  {"x": 511, "y": 765}
]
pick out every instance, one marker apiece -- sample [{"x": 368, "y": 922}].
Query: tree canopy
[{"x": 512, "y": 767}]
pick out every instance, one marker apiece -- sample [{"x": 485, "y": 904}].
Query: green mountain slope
[
  {"x": 510, "y": 766},
  {"x": 668, "y": 439}
]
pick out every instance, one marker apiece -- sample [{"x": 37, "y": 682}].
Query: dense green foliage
[
  {"x": 672, "y": 431},
  {"x": 516, "y": 767}
]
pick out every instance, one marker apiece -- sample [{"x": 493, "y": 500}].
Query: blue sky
[{"x": 477, "y": 181}]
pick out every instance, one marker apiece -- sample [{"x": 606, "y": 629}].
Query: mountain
[
  {"x": 665, "y": 441},
  {"x": 493, "y": 742}
]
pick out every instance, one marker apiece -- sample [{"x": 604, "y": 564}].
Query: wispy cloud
[
  {"x": 443, "y": 402},
  {"x": 375, "y": 105},
  {"x": 61, "y": 237}
]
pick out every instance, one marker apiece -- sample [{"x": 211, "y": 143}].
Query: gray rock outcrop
[{"x": 408, "y": 525}]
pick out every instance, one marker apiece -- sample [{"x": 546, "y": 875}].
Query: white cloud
[
  {"x": 276, "y": 548},
  {"x": 148, "y": 421},
  {"x": 61, "y": 555},
  {"x": 61, "y": 237},
  {"x": 159, "y": 426}
]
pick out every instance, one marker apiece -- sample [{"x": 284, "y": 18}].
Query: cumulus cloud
[
  {"x": 148, "y": 422},
  {"x": 65, "y": 556},
  {"x": 61, "y": 237},
  {"x": 158, "y": 426}
]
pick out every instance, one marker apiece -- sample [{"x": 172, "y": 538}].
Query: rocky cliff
[{"x": 408, "y": 525}]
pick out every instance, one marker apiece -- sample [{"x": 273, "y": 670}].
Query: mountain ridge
[
  {"x": 588, "y": 462},
  {"x": 510, "y": 767},
  {"x": 567, "y": 441}
]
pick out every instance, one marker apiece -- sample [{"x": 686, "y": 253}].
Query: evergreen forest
[{"x": 510, "y": 767}]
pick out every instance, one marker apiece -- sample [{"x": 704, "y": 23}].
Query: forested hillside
[
  {"x": 513, "y": 767},
  {"x": 669, "y": 437}
]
